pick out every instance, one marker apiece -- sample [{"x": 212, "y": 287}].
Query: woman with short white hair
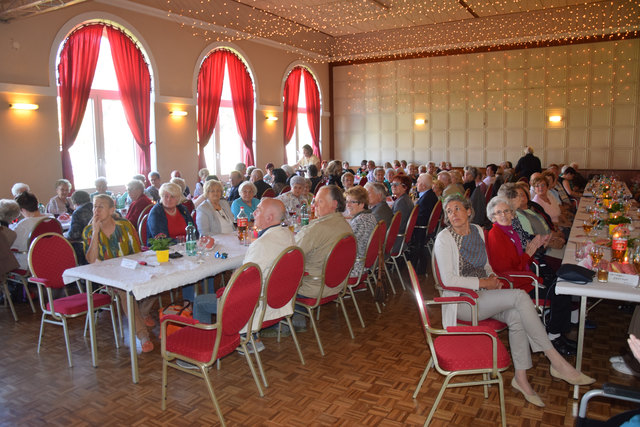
[
  {"x": 214, "y": 215},
  {"x": 168, "y": 217},
  {"x": 101, "y": 187},
  {"x": 61, "y": 202},
  {"x": 247, "y": 200},
  {"x": 202, "y": 176}
]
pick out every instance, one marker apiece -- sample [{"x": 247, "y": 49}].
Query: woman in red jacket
[{"x": 508, "y": 256}]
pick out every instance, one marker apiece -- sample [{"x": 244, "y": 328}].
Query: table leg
[
  {"x": 92, "y": 324},
  {"x": 135, "y": 376},
  {"x": 583, "y": 314}
]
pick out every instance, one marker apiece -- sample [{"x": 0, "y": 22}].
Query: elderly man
[
  {"x": 152, "y": 191},
  {"x": 272, "y": 240},
  {"x": 528, "y": 164},
  {"x": 177, "y": 174},
  {"x": 257, "y": 177},
  {"x": 451, "y": 187},
  {"x": 236, "y": 178},
  {"x": 317, "y": 239},
  {"x": 470, "y": 174},
  {"x": 139, "y": 201},
  {"x": 425, "y": 203},
  {"x": 294, "y": 199},
  {"x": 432, "y": 170},
  {"x": 378, "y": 202}
]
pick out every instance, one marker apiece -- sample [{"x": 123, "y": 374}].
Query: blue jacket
[{"x": 157, "y": 221}]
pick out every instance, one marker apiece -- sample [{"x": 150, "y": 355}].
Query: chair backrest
[
  {"x": 377, "y": 237},
  {"x": 424, "y": 315},
  {"x": 285, "y": 277},
  {"x": 144, "y": 212},
  {"x": 142, "y": 229},
  {"x": 46, "y": 225},
  {"x": 340, "y": 261},
  {"x": 363, "y": 181},
  {"x": 523, "y": 179},
  {"x": 408, "y": 231},
  {"x": 285, "y": 189},
  {"x": 319, "y": 185},
  {"x": 489, "y": 193},
  {"x": 434, "y": 219},
  {"x": 239, "y": 300},
  {"x": 467, "y": 193},
  {"x": 50, "y": 254},
  {"x": 392, "y": 232},
  {"x": 436, "y": 272},
  {"x": 268, "y": 193}
]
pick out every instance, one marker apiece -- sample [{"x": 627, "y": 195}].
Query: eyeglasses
[
  {"x": 504, "y": 212},
  {"x": 395, "y": 184},
  {"x": 353, "y": 202}
]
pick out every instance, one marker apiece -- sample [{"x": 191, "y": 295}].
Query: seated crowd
[{"x": 498, "y": 219}]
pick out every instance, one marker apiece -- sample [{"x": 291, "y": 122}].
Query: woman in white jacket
[{"x": 463, "y": 262}]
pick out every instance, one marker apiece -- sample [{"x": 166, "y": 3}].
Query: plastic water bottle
[
  {"x": 192, "y": 240},
  {"x": 304, "y": 215}
]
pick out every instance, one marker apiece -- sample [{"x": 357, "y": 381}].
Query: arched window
[
  {"x": 301, "y": 100},
  {"x": 104, "y": 102},
  {"x": 225, "y": 112}
]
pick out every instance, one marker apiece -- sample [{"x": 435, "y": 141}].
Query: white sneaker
[
  {"x": 622, "y": 368},
  {"x": 186, "y": 365},
  {"x": 616, "y": 359},
  {"x": 259, "y": 347}
]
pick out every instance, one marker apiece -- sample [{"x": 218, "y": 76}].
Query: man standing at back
[{"x": 317, "y": 239}]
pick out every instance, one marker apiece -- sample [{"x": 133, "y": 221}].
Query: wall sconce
[
  {"x": 21, "y": 106},
  {"x": 177, "y": 113},
  {"x": 271, "y": 118},
  {"x": 420, "y": 122},
  {"x": 555, "y": 118}
]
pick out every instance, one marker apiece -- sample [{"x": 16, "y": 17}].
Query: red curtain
[
  {"x": 242, "y": 95},
  {"x": 291, "y": 92},
  {"x": 77, "y": 67},
  {"x": 312, "y": 97},
  {"x": 210, "y": 81},
  {"x": 134, "y": 82}
]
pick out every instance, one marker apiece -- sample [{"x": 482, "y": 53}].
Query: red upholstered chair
[
  {"x": 460, "y": 350},
  {"x": 279, "y": 290},
  {"x": 433, "y": 225},
  {"x": 142, "y": 230},
  {"x": 334, "y": 275},
  {"x": 202, "y": 344},
  {"x": 319, "y": 186},
  {"x": 46, "y": 225},
  {"x": 268, "y": 193},
  {"x": 50, "y": 255},
  {"x": 144, "y": 213},
  {"x": 406, "y": 235},
  {"x": 369, "y": 262},
  {"x": 285, "y": 189},
  {"x": 494, "y": 324},
  {"x": 489, "y": 193},
  {"x": 390, "y": 239},
  {"x": 362, "y": 181}
]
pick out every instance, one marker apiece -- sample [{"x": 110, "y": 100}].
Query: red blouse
[{"x": 176, "y": 224}]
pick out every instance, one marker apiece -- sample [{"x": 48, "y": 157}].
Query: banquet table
[
  {"x": 151, "y": 279},
  {"x": 612, "y": 290}
]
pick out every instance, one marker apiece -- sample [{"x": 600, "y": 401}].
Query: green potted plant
[{"x": 160, "y": 244}]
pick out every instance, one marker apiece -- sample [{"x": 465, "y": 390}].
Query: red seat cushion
[
  {"x": 353, "y": 280},
  {"x": 494, "y": 324},
  {"x": 198, "y": 343},
  {"x": 271, "y": 322},
  {"x": 75, "y": 304},
  {"x": 19, "y": 272},
  {"x": 312, "y": 301},
  {"x": 466, "y": 352}
]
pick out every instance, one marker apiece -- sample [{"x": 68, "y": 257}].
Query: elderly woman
[
  {"x": 508, "y": 253},
  {"x": 549, "y": 203},
  {"x": 28, "y": 204},
  {"x": 168, "y": 217},
  {"x": 139, "y": 201},
  {"x": 101, "y": 187},
  {"x": 202, "y": 176},
  {"x": 81, "y": 216},
  {"x": 379, "y": 174},
  {"x": 18, "y": 188},
  {"x": 400, "y": 188},
  {"x": 568, "y": 175},
  {"x": 279, "y": 180},
  {"x": 438, "y": 187},
  {"x": 362, "y": 222},
  {"x": 9, "y": 210},
  {"x": 186, "y": 202},
  {"x": 463, "y": 262},
  {"x": 334, "y": 170},
  {"x": 214, "y": 215},
  {"x": 294, "y": 199},
  {"x": 107, "y": 237},
  {"x": 308, "y": 158},
  {"x": 347, "y": 180},
  {"x": 247, "y": 200},
  {"x": 61, "y": 203}
]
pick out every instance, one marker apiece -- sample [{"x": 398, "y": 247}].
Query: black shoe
[
  {"x": 562, "y": 347},
  {"x": 570, "y": 343}
]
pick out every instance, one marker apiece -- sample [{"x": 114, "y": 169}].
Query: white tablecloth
[{"x": 151, "y": 280}]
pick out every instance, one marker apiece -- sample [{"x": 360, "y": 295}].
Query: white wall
[{"x": 484, "y": 108}]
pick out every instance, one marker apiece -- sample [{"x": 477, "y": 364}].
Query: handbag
[
  {"x": 575, "y": 274},
  {"x": 181, "y": 309}
]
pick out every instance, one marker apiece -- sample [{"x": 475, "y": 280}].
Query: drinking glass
[{"x": 596, "y": 253}]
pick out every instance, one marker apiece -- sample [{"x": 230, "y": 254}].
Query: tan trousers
[{"x": 141, "y": 310}]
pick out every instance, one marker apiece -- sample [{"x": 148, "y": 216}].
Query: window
[
  {"x": 301, "y": 134},
  {"x": 105, "y": 145},
  {"x": 224, "y": 150}
]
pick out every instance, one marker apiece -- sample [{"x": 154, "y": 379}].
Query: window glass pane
[
  {"x": 83, "y": 152},
  {"x": 105, "y": 76},
  {"x": 119, "y": 145},
  {"x": 230, "y": 141},
  {"x": 302, "y": 134}
]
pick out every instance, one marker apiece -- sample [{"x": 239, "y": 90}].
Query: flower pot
[{"x": 162, "y": 256}]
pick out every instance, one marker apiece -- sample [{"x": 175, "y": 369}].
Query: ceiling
[{"x": 341, "y": 30}]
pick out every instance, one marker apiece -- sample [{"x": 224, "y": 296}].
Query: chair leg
[
  {"x": 373, "y": 294},
  {"x": 355, "y": 304},
  {"x": 113, "y": 323},
  {"x": 346, "y": 317},
  {"x": 386, "y": 269},
  {"x": 315, "y": 331},
  {"x": 41, "y": 331},
  {"x": 66, "y": 339},
  {"x": 252, "y": 368},
  {"x": 259, "y": 361},
  {"x": 423, "y": 377},
  {"x": 25, "y": 285},
  {"x": 7, "y": 298},
  {"x": 397, "y": 266},
  {"x": 163, "y": 402},
  {"x": 205, "y": 375},
  {"x": 501, "y": 391},
  {"x": 295, "y": 338},
  {"x": 435, "y": 404}
]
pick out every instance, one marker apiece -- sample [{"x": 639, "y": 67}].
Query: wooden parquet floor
[{"x": 367, "y": 381}]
